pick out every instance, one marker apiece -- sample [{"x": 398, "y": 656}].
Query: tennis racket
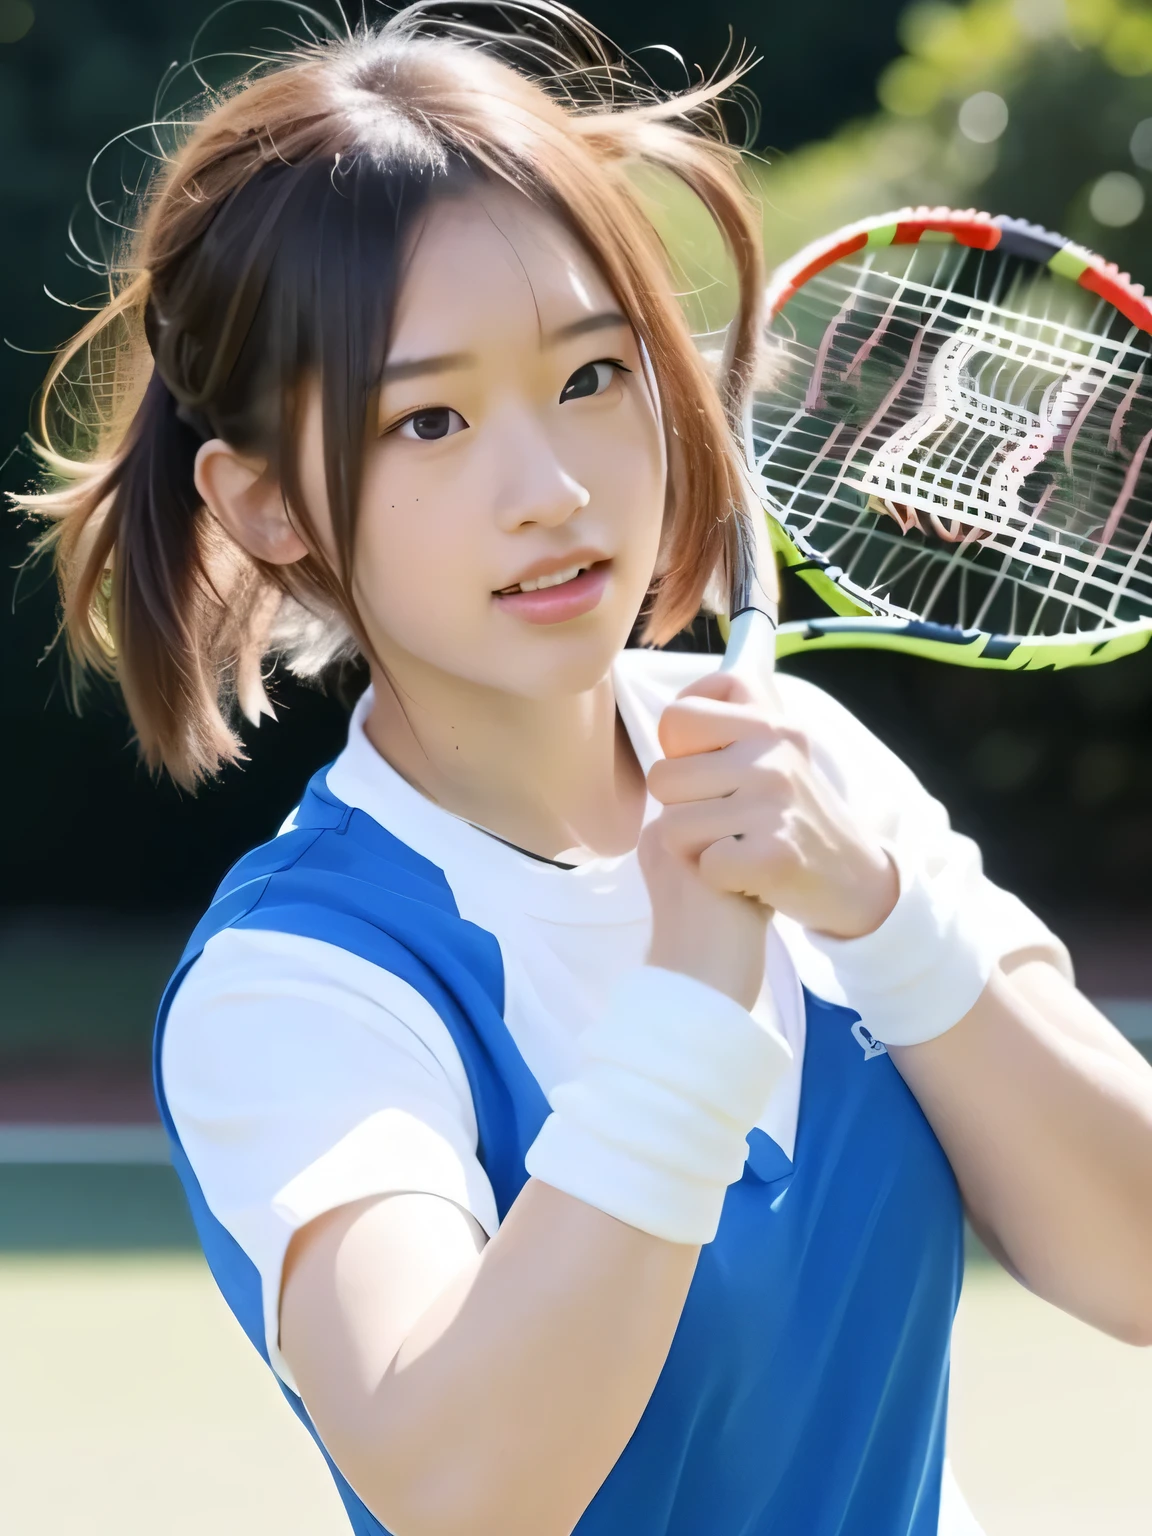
[
  {"x": 751, "y": 630},
  {"x": 951, "y": 434}
]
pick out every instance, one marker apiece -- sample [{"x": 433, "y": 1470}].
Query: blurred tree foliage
[
  {"x": 1074, "y": 83},
  {"x": 866, "y": 107},
  {"x": 1076, "y": 79}
]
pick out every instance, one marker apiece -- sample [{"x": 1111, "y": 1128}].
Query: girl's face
[{"x": 514, "y": 494}]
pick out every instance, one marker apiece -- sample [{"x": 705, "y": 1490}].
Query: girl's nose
[{"x": 533, "y": 486}]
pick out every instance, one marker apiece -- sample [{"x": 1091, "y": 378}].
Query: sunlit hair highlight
[{"x": 268, "y": 249}]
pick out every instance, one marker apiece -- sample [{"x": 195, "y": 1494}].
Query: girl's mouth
[{"x": 558, "y": 597}]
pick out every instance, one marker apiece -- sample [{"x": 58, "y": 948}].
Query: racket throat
[{"x": 751, "y": 649}]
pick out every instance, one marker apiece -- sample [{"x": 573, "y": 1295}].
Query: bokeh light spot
[
  {"x": 1116, "y": 199},
  {"x": 909, "y": 88},
  {"x": 16, "y": 18},
  {"x": 983, "y": 117},
  {"x": 1128, "y": 47},
  {"x": 1140, "y": 144}
]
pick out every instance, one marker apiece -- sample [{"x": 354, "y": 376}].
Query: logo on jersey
[{"x": 868, "y": 1042}]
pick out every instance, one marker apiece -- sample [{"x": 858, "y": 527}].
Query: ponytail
[
  {"x": 165, "y": 612},
  {"x": 268, "y": 251},
  {"x": 150, "y": 594}
]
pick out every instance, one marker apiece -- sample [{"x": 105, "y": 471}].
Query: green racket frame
[{"x": 854, "y": 625}]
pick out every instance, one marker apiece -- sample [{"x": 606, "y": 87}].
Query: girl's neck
[{"x": 551, "y": 776}]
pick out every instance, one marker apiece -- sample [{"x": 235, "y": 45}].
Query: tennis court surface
[{"x": 132, "y": 1406}]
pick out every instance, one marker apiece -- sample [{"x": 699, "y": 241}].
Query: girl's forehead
[{"x": 493, "y": 257}]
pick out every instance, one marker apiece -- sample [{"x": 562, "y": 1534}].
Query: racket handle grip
[{"x": 750, "y": 653}]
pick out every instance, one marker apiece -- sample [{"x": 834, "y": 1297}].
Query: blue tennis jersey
[{"x": 805, "y": 1391}]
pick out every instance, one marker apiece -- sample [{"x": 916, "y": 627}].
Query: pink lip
[{"x": 555, "y": 605}]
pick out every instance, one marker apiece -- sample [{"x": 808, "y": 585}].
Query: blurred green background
[{"x": 1038, "y": 108}]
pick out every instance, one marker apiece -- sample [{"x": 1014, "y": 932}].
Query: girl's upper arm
[
  {"x": 301, "y": 1080},
  {"x": 356, "y": 1280}
]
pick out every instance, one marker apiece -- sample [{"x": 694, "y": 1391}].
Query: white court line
[
  {"x": 106, "y": 1144},
  {"x": 117, "y": 1145}
]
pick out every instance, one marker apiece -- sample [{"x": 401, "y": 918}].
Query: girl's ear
[{"x": 247, "y": 501}]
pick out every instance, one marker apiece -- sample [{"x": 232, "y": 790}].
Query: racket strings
[{"x": 969, "y": 442}]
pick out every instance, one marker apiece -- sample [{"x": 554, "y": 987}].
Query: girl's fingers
[
  {"x": 771, "y": 766},
  {"x": 695, "y": 724},
  {"x": 731, "y": 688},
  {"x": 719, "y": 685},
  {"x": 729, "y": 864},
  {"x": 701, "y": 775},
  {"x": 736, "y": 847},
  {"x": 687, "y": 830}
]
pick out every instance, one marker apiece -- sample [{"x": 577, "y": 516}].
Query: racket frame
[
  {"x": 981, "y": 231},
  {"x": 854, "y": 625}
]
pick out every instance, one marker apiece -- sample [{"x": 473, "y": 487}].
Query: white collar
[{"x": 365, "y": 780}]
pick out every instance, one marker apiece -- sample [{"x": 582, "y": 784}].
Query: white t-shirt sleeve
[
  {"x": 888, "y": 797},
  {"x": 301, "y": 1078}
]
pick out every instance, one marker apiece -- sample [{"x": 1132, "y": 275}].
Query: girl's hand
[
  {"x": 747, "y": 814},
  {"x": 700, "y": 929}
]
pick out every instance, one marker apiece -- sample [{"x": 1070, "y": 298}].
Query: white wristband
[
  {"x": 922, "y": 969},
  {"x": 654, "y": 1128}
]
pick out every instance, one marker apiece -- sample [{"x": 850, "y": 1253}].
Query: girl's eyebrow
[
  {"x": 393, "y": 372},
  {"x": 445, "y": 362},
  {"x": 606, "y": 320}
]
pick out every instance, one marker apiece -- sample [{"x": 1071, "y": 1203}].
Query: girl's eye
[
  {"x": 592, "y": 379},
  {"x": 430, "y": 425}
]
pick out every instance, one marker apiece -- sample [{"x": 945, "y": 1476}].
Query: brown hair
[{"x": 268, "y": 246}]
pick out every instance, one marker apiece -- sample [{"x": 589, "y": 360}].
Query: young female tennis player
[{"x": 562, "y": 1185}]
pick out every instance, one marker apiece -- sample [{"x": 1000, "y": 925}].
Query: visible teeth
[{"x": 556, "y": 580}]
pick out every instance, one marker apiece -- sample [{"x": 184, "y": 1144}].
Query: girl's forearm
[
  {"x": 514, "y": 1389},
  {"x": 1045, "y": 1113}
]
